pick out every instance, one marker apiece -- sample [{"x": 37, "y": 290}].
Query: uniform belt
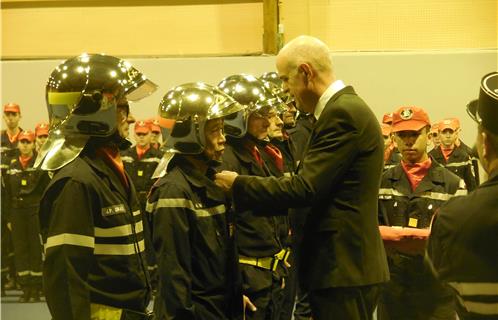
[
  {"x": 103, "y": 312},
  {"x": 268, "y": 263}
]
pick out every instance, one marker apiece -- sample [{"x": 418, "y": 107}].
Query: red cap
[
  {"x": 409, "y": 119},
  {"x": 26, "y": 135},
  {"x": 450, "y": 123},
  {"x": 387, "y": 118},
  {"x": 386, "y": 129},
  {"x": 41, "y": 129},
  {"x": 12, "y": 107},
  {"x": 142, "y": 127},
  {"x": 154, "y": 125},
  {"x": 435, "y": 127}
]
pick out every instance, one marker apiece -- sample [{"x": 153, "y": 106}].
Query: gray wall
[{"x": 442, "y": 82}]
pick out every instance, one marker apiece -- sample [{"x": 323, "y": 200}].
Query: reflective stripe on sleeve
[
  {"x": 127, "y": 159},
  {"x": 458, "y": 164},
  {"x": 428, "y": 195},
  {"x": 70, "y": 239},
  {"x": 187, "y": 204},
  {"x": 153, "y": 159},
  {"x": 477, "y": 290},
  {"x": 119, "y": 231},
  {"x": 460, "y": 192},
  {"x": 119, "y": 249}
]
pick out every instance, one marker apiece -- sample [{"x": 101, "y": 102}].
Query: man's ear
[{"x": 307, "y": 71}]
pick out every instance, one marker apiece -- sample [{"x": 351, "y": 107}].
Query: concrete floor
[{"x": 13, "y": 310}]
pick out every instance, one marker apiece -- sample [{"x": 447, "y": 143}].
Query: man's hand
[{"x": 225, "y": 179}]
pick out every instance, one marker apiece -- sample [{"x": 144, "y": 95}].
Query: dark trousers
[
  {"x": 27, "y": 245},
  {"x": 267, "y": 299},
  {"x": 413, "y": 293},
  {"x": 348, "y": 303},
  {"x": 415, "y": 304}
]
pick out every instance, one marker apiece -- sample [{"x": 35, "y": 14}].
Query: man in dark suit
[{"x": 343, "y": 260}]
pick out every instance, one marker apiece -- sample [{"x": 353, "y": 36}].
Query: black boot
[
  {"x": 26, "y": 295},
  {"x": 35, "y": 294}
]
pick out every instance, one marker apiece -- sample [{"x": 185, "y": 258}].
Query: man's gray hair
[{"x": 310, "y": 50}]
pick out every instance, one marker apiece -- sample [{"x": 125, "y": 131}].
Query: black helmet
[
  {"x": 186, "y": 109},
  {"x": 252, "y": 93},
  {"x": 485, "y": 110},
  {"x": 82, "y": 94}
]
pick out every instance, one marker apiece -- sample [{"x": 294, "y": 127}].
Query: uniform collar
[
  {"x": 99, "y": 165},
  {"x": 432, "y": 177},
  {"x": 201, "y": 181},
  {"x": 335, "y": 87}
]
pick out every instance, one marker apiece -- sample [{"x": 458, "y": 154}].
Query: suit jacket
[{"x": 339, "y": 179}]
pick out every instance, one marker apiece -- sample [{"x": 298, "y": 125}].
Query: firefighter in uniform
[
  {"x": 25, "y": 186},
  {"x": 457, "y": 158},
  {"x": 409, "y": 195},
  {"x": 261, "y": 241},
  {"x": 90, "y": 218},
  {"x": 155, "y": 133},
  {"x": 280, "y": 138},
  {"x": 463, "y": 245},
  {"x": 140, "y": 162},
  {"x": 8, "y": 148},
  {"x": 193, "y": 233},
  {"x": 41, "y": 135}
]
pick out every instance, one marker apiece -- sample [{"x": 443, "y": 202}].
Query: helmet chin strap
[
  {"x": 113, "y": 140},
  {"x": 210, "y": 162}
]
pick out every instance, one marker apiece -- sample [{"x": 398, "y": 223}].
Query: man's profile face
[
  {"x": 259, "y": 124},
  {"x": 289, "y": 116},
  {"x": 276, "y": 126},
  {"x": 124, "y": 119},
  {"x": 293, "y": 82},
  {"x": 412, "y": 144},
  {"x": 215, "y": 139}
]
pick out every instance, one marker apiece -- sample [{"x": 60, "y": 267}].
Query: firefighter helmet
[
  {"x": 82, "y": 95},
  {"x": 252, "y": 93},
  {"x": 184, "y": 111}
]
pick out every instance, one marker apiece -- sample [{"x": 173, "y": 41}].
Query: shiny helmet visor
[
  {"x": 184, "y": 111},
  {"x": 82, "y": 95},
  {"x": 272, "y": 81},
  {"x": 252, "y": 93}
]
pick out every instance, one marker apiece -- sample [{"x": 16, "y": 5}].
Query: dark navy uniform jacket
[
  {"x": 194, "y": 245},
  {"x": 141, "y": 170},
  {"x": 258, "y": 235},
  {"x": 460, "y": 162},
  {"x": 92, "y": 231},
  {"x": 24, "y": 187},
  {"x": 463, "y": 247}
]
